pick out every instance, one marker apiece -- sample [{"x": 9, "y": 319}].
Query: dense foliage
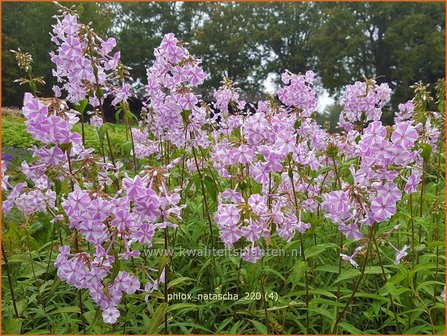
[{"x": 215, "y": 218}]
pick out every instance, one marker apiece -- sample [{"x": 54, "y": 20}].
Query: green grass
[{"x": 14, "y": 134}]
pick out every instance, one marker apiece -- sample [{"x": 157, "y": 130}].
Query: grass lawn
[{"x": 14, "y": 135}]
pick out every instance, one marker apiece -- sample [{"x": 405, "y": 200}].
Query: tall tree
[
  {"x": 140, "y": 26},
  {"x": 395, "y": 42},
  {"x": 219, "y": 33},
  {"x": 229, "y": 45},
  {"x": 27, "y": 26},
  {"x": 399, "y": 43},
  {"x": 286, "y": 31}
]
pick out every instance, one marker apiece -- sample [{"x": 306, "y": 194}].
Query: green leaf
[
  {"x": 195, "y": 179},
  {"x": 426, "y": 151},
  {"x": 117, "y": 266},
  {"x": 53, "y": 289},
  {"x": 12, "y": 326},
  {"x": 178, "y": 281},
  {"x": 58, "y": 186},
  {"x": 157, "y": 318},
  {"x": 210, "y": 188},
  {"x": 327, "y": 268},
  {"x": 22, "y": 305},
  {"x": 102, "y": 130},
  {"x": 274, "y": 272},
  {"x": 163, "y": 261},
  {"x": 80, "y": 107},
  {"x": 235, "y": 327},
  {"x": 117, "y": 115},
  {"x": 375, "y": 270},
  {"x": 99, "y": 92},
  {"x": 70, "y": 309},
  {"x": 350, "y": 328},
  {"x": 65, "y": 147},
  {"x": 317, "y": 249},
  {"x": 184, "y": 306},
  {"x": 185, "y": 115},
  {"x": 323, "y": 312},
  {"x": 260, "y": 328},
  {"x": 126, "y": 147},
  {"x": 297, "y": 273},
  {"x": 347, "y": 274}
]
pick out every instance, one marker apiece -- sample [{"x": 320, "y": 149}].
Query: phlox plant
[{"x": 272, "y": 177}]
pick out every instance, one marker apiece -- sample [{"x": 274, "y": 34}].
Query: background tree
[
  {"x": 229, "y": 46},
  {"x": 32, "y": 35},
  {"x": 399, "y": 43},
  {"x": 285, "y": 32},
  {"x": 140, "y": 26}
]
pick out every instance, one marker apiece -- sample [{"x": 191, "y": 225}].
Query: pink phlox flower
[
  {"x": 232, "y": 196},
  {"x": 252, "y": 254},
  {"x": 351, "y": 231},
  {"x": 404, "y": 135},
  {"x": 351, "y": 258},
  {"x": 399, "y": 253},
  {"x": 110, "y": 315},
  {"x": 413, "y": 182},
  {"x": 9, "y": 202},
  {"x": 252, "y": 231},
  {"x": 227, "y": 215},
  {"x": 382, "y": 208},
  {"x": 145, "y": 234},
  {"x": 286, "y": 142},
  {"x": 242, "y": 154},
  {"x": 258, "y": 203},
  {"x": 230, "y": 234},
  {"x": 390, "y": 189}
]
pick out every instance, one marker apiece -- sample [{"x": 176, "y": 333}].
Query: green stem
[
  {"x": 213, "y": 177},
  {"x": 11, "y": 290},
  {"x": 393, "y": 307},
  {"x": 262, "y": 281},
  {"x": 340, "y": 260},
  {"x": 128, "y": 126},
  {"x": 206, "y": 208},
  {"x": 166, "y": 280},
  {"x": 30, "y": 256},
  {"x": 306, "y": 280},
  {"x": 82, "y": 129},
  {"x": 50, "y": 253},
  {"x": 357, "y": 284},
  {"x": 412, "y": 254},
  {"x": 421, "y": 205},
  {"x": 70, "y": 169},
  {"x": 81, "y": 305},
  {"x": 436, "y": 238}
]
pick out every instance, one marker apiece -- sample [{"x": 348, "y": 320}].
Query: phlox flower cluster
[
  {"x": 173, "y": 111},
  {"x": 273, "y": 147},
  {"x": 86, "y": 67},
  {"x": 82, "y": 59},
  {"x": 363, "y": 101},
  {"x": 298, "y": 92},
  {"x": 267, "y": 153},
  {"x": 132, "y": 217},
  {"x": 117, "y": 225},
  {"x": 49, "y": 122},
  {"x": 385, "y": 155}
]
